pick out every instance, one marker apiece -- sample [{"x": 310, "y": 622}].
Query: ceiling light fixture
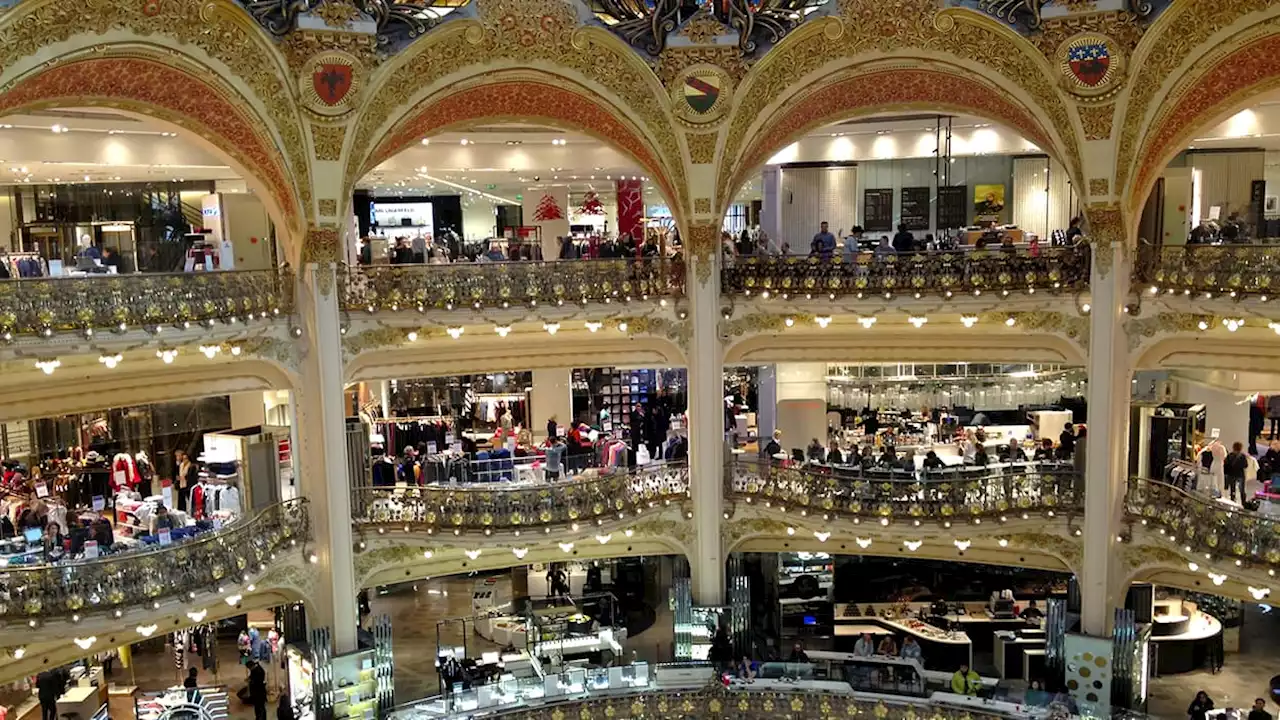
[
  {"x": 602, "y": 539},
  {"x": 111, "y": 361},
  {"x": 49, "y": 365},
  {"x": 867, "y": 322},
  {"x": 520, "y": 552},
  {"x": 167, "y": 355},
  {"x": 210, "y": 350},
  {"x": 197, "y": 615},
  {"x": 918, "y": 321},
  {"x": 502, "y": 330},
  {"x": 863, "y": 543},
  {"x": 912, "y": 545},
  {"x": 1259, "y": 593},
  {"x": 85, "y": 643},
  {"x": 593, "y": 326},
  {"x": 566, "y": 547},
  {"x": 823, "y": 320},
  {"x": 146, "y": 630},
  {"x": 969, "y": 320},
  {"x": 822, "y": 536},
  {"x": 472, "y": 554},
  {"x": 551, "y": 327}
]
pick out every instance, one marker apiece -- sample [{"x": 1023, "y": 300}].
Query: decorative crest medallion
[
  {"x": 331, "y": 86},
  {"x": 700, "y": 94},
  {"x": 1091, "y": 64}
]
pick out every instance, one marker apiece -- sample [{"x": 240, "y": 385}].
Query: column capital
[
  {"x": 702, "y": 251},
  {"x": 1108, "y": 235}
]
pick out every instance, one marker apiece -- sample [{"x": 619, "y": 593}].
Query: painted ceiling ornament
[
  {"x": 700, "y": 95},
  {"x": 1092, "y": 65},
  {"x": 759, "y": 24},
  {"x": 330, "y": 83},
  {"x": 398, "y": 22},
  {"x": 337, "y": 13}
]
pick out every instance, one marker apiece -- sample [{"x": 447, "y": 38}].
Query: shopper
[
  {"x": 1045, "y": 452},
  {"x": 980, "y": 455},
  {"x": 53, "y": 542},
  {"x": 887, "y": 647},
  {"x": 773, "y": 447},
  {"x": 834, "y": 457},
  {"x": 865, "y": 647},
  {"x": 1031, "y": 613},
  {"x": 1036, "y": 695},
  {"x": 911, "y": 650},
  {"x": 191, "y": 684},
  {"x": 816, "y": 453},
  {"x": 258, "y": 690},
  {"x": 932, "y": 461},
  {"x": 888, "y": 457},
  {"x": 903, "y": 240},
  {"x": 965, "y": 681},
  {"x": 1233, "y": 469},
  {"x": 1014, "y": 452},
  {"x": 747, "y": 670},
  {"x": 188, "y": 476},
  {"x": 1066, "y": 442},
  {"x": 1259, "y": 711},
  {"x": 1200, "y": 706},
  {"x": 50, "y": 685},
  {"x": 284, "y": 709},
  {"x": 552, "y": 427},
  {"x": 798, "y": 654},
  {"x": 824, "y": 243}
]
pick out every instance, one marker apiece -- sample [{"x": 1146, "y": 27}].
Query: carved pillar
[
  {"x": 1108, "y": 397},
  {"x": 706, "y": 412},
  {"x": 322, "y": 454}
]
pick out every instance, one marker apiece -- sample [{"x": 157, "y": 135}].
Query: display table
[
  {"x": 82, "y": 701},
  {"x": 1010, "y": 652},
  {"x": 1180, "y": 652}
]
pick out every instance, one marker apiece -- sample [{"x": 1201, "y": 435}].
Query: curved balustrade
[
  {"x": 1216, "y": 269},
  {"x": 135, "y": 578},
  {"x": 498, "y": 506},
  {"x": 43, "y": 306},
  {"x": 1058, "y": 269},
  {"x": 942, "y": 496},
  {"x": 1203, "y": 524},
  {"x": 503, "y": 284}
]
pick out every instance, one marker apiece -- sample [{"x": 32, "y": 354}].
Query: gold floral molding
[
  {"x": 217, "y": 28},
  {"x": 1096, "y": 120},
  {"x": 674, "y": 61},
  {"x": 702, "y": 206},
  {"x": 702, "y": 29},
  {"x": 1106, "y": 228},
  {"x": 524, "y": 34},
  {"x": 1070, "y": 551},
  {"x": 701, "y": 247},
  {"x": 1140, "y": 556},
  {"x": 735, "y": 531},
  {"x": 678, "y": 331},
  {"x": 1142, "y": 329},
  {"x": 1099, "y": 187},
  {"x": 328, "y": 140},
  {"x": 1123, "y": 28},
  {"x": 1075, "y": 327},
  {"x": 702, "y": 149},
  {"x": 1182, "y": 28},
  {"x": 327, "y": 207},
  {"x": 321, "y": 245},
  {"x": 382, "y": 337},
  {"x": 761, "y": 322},
  {"x": 337, "y": 13}
]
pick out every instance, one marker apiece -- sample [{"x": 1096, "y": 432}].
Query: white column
[
  {"x": 706, "y": 432},
  {"x": 1106, "y": 462},
  {"x": 322, "y": 457},
  {"x": 771, "y": 203},
  {"x": 802, "y": 404},
  {"x": 552, "y": 397}
]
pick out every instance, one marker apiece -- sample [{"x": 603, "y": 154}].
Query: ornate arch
[
  {"x": 1227, "y": 84},
  {"x": 918, "y": 37},
  {"x": 145, "y": 85},
  {"x": 222, "y": 53},
  {"x": 1172, "y": 42},
  {"x": 525, "y": 96},
  {"x": 547, "y": 41}
]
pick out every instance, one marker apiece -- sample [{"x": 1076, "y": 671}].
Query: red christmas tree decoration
[
  {"x": 548, "y": 209},
  {"x": 591, "y": 204}
]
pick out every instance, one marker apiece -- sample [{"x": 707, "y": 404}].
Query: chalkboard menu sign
[
  {"x": 878, "y": 209},
  {"x": 915, "y": 208},
  {"x": 953, "y": 206}
]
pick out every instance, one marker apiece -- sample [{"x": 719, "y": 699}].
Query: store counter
[
  {"x": 81, "y": 701},
  {"x": 1183, "y": 636},
  {"x": 1011, "y": 650},
  {"x": 941, "y": 678},
  {"x": 941, "y": 649}
]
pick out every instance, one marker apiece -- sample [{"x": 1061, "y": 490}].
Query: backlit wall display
[{"x": 401, "y": 214}]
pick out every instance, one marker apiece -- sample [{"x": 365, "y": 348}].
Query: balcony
[
  {"x": 132, "y": 579},
  {"x": 1234, "y": 271},
  {"x": 510, "y": 284},
  {"x": 1205, "y": 525},
  {"x": 503, "y": 507},
  {"x": 40, "y": 307},
  {"x": 942, "y": 496},
  {"x": 937, "y": 273}
]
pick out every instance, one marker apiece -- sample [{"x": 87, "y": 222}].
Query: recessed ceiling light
[{"x": 464, "y": 141}]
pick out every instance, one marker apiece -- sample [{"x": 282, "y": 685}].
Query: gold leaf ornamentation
[
  {"x": 328, "y": 140},
  {"x": 337, "y": 13},
  {"x": 702, "y": 148},
  {"x": 1096, "y": 120},
  {"x": 1099, "y": 187}
]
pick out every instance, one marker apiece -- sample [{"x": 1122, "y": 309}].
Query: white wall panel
[{"x": 812, "y": 195}]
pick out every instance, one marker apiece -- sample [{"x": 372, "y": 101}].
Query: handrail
[
  {"x": 494, "y": 506},
  {"x": 43, "y": 306},
  {"x": 942, "y": 496},
  {"x": 1203, "y": 524},
  {"x": 1220, "y": 269},
  {"x": 127, "y": 579},
  {"x": 504, "y": 284},
  {"x": 939, "y": 272}
]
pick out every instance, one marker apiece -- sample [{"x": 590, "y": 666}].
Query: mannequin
[{"x": 1215, "y": 475}]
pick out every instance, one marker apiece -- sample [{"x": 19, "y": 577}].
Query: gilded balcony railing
[
  {"x": 1231, "y": 270},
  {"x": 134, "y": 579},
  {"x": 945, "y": 273},
  {"x": 941, "y": 496},
  {"x": 502, "y": 506},
  {"x": 510, "y": 284},
  {"x": 790, "y": 700},
  {"x": 44, "y": 306},
  {"x": 1204, "y": 524}
]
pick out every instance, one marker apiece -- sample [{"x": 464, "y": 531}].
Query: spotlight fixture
[
  {"x": 455, "y": 332},
  {"x": 18, "y": 652},
  {"x": 1003, "y": 542},
  {"x": 146, "y": 630},
  {"x": 602, "y": 539},
  {"x": 234, "y": 600},
  {"x": 867, "y": 322},
  {"x": 593, "y": 326},
  {"x": 822, "y": 536},
  {"x": 197, "y": 615},
  {"x": 622, "y": 326},
  {"x": 912, "y": 545},
  {"x": 85, "y": 643},
  {"x": 1233, "y": 324},
  {"x": 520, "y": 552},
  {"x": 210, "y": 350},
  {"x": 969, "y": 320},
  {"x": 49, "y": 365},
  {"x": 502, "y": 330},
  {"x": 1193, "y": 567},
  {"x": 1259, "y": 593},
  {"x": 628, "y": 532},
  {"x": 427, "y": 554},
  {"x": 167, "y": 355},
  {"x": 863, "y": 543},
  {"x": 823, "y": 320},
  {"x": 918, "y": 321},
  {"x": 1217, "y": 579},
  {"x": 963, "y": 545},
  {"x": 789, "y": 321},
  {"x": 551, "y": 327},
  {"x": 412, "y": 336},
  {"x": 1011, "y": 321},
  {"x": 1202, "y": 325},
  {"x": 566, "y": 546},
  {"x": 111, "y": 361}
]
